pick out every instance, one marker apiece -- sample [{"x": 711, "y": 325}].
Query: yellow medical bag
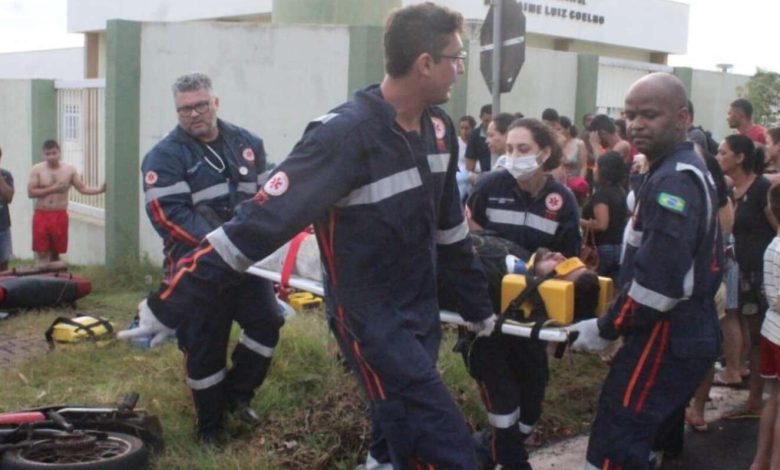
[
  {"x": 79, "y": 329},
  {"x": 558, "y": 296},
  {"x": 304, "y": 301}
]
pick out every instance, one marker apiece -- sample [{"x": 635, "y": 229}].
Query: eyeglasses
[
  {"x": 462, "y": 56},
  {"x": 199, "y": 108}
]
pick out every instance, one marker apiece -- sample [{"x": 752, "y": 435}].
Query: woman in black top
[
  {"x": 753, "y": 231},
  {"x": 606, "y": 212}
]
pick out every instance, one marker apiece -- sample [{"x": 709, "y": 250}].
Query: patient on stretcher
[
  {"x": 569, "y": 287},
  {"x": 570, "y": 293}
]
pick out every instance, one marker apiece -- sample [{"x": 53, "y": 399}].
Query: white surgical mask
[
  {"x": 500, "y": 163},
  {"x": 521, "y": 167}
]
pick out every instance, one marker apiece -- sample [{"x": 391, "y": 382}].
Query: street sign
[{"x": 512, "y": 51}]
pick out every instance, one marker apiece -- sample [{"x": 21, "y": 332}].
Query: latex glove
[
  {"x": 148, "y": 325},
  {"x": 484, "y": 327},
  {"x": 589, "y": 339},
  {"x": 285, "y": 309}
]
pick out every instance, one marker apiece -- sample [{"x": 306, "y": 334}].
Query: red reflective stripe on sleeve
[
  {"x": 640, "y": 365},
  {"x": 186, "y": 270},
  {"x": 158, "y": 214},
  {"x": 656, "y": 365}
]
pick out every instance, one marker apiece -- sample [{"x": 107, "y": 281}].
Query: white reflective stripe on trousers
[
  {"x": 253, "y": 345},
  {"x": 504, "y": 421},
  {"x": 206, "y": 382},
  {"x": 525, "y": 428}
]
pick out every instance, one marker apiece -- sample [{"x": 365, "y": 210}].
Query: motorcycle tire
[{"x": 117, "y": 451}]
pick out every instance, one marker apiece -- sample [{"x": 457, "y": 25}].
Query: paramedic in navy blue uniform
[
  {"x": 524, "y": 204},
  {"x": 193, "y": 179},
  {"x": 671, "y": 271},
  {"x": 376, "y": 177}
]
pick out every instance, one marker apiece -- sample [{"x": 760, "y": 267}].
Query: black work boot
[
  {"x": 215, "y": 438},
  {"x": 244, "y": 413}
]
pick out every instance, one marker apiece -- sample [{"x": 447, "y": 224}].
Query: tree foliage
[{"x": 763, "y": 92}]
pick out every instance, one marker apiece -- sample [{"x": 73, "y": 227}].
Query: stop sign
[{"x": 512, "y": 45}]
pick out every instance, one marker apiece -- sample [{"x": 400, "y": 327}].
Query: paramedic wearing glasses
[
  {"x": 193, "y": 180},
  {"x": 524, "y": 204},
  {"x": 670, "y": 274},
  {"x": 376, "y": 177}
]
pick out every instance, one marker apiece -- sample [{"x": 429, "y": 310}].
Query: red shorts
[
  {"x": 770, "y": 359},
  {"x": 50, "y": 231}
]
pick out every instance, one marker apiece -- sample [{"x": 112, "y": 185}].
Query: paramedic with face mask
[{"x": 524, "y": 204}]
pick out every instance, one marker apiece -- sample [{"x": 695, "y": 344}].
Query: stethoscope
[{"x": 222, "y": 165}]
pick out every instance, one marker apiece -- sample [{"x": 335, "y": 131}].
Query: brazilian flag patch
[{"x": 672, "y": 202}]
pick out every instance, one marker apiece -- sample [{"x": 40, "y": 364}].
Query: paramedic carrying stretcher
[{"x": 376, "y": 179}]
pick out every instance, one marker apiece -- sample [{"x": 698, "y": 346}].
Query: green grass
[{"x": 314, "y": 414}]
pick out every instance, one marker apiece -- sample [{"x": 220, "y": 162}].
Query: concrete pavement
[{"x": 729, "y": 444}]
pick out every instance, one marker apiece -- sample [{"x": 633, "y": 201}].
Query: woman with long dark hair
[
  {"x": 606, "y": 212},
  {"x": 754, "y": 228}
]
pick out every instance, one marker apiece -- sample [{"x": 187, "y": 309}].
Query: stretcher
[{"x": 558, "y": 334}]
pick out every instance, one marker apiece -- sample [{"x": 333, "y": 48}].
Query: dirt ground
[{"x": 15, "y": 349}]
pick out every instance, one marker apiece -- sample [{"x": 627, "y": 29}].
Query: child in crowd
[{"x": 768, "y": 450}]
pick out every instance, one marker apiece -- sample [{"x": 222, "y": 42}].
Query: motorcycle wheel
[{"x": 116, "y": 451}]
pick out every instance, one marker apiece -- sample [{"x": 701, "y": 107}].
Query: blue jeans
[
  {"x": 609, "y": 261},
  {"x": 6, "y": 252}
]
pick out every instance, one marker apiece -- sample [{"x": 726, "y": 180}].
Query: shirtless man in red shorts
[{"x": 49, "y": 183}]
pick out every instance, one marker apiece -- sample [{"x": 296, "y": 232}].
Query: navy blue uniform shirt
[{"x": 550, "y": 220}]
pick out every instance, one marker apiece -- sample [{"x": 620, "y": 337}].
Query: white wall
[
  {"x": 655, "y": 25},
  {"x": 271, "y": 80},
  {"x": 711, "y": 94},
  {"x": 548, "y": 79},
  {"x": 92, "y": 15},
  {"x": 15, "y": 131},
  {"x": 52, "y": 64},
  {"x": 86, "y": 236},
  {"x": 662, "y": 25}
]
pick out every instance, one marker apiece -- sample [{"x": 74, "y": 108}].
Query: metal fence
[{"x": 81, "y": 134}]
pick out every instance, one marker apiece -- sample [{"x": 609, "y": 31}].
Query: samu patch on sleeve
[{"x": 671, "y": 202}]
